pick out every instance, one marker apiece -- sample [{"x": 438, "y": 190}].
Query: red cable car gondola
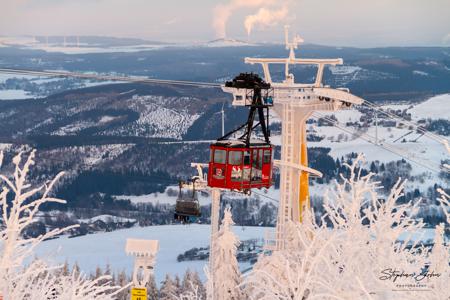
[{"x": 242, "y": 164}]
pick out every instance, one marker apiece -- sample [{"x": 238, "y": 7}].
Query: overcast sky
[{"x": 360, "y": 23}]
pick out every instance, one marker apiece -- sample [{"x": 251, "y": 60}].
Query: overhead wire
[
  {"x": 108, "y": 77},
  {"x": 419, "y": 128},
  {"x": 151, "y": 176},
  {"x": 52, "y": 73},
  {"x": 217, "y": 85},
  {"x": 387, "y": 147},
  {"x": 265, "y": 196}
]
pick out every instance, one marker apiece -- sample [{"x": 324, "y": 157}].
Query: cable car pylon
[{"x": 294, "y": 104}]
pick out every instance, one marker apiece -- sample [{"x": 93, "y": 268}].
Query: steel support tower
[{"x": 294, "y": 103}]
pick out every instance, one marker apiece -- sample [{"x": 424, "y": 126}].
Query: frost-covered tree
[
  {"x": 21, "y": 275},
  {"x": 123, "y": 281},
  {"x": 226, "y": 275},
  {"x": 191, "y": 293},
  {"x": 197, "y": 282},
  {"x": 351, "y": 254},
  {"x": 192, "y": 285},
  {"x": 168, "y": 290},
  {"x": 152, "y": 289}
]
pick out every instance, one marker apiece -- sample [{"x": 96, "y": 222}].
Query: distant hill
[
  {"x": 102, "y": 41},
  {"x": 227, "y": 42}
]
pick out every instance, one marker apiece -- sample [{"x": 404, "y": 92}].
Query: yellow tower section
[{"x": 303, "y": 197}]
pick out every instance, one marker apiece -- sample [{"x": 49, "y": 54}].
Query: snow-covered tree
[
  {"x": 168, "y": 290},
  {"x": 191, "y": 293},
  {"x": 197, "y": 282},
  {"x": 192, "y": 286},
  {"x": 226, "y": 275},
  {"x": 21, "y": 275},
  {"x": 369, "y": 239},
  {"x": 152, "y": 289}
]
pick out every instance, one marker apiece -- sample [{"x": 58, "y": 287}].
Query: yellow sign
[{"x": 138, "y": 294}]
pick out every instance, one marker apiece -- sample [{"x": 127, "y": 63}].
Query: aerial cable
[
  {"x": 389, "y": 148},
  {"x": 419, "y": 128},
  {"x": 109, "y": 77}
]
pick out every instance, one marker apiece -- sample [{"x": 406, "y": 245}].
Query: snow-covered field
[
  {"x": 72, "y": 47},
  {"x": 14, "y": 94},
  {"x": 401, "y": 140},
  {"x": 437, "y": 107},
  {"x": 162, "y": 198},
  {"x": 101, "y": 249}
]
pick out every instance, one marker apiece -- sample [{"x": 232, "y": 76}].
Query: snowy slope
[
  {"x": 72, "y": 47},
  {"x": 14, "y": 94},
  {"x": 226, "y": 42},
  {"x": 162, "y": 117},
  {"x": 100, "y": 249},
  {"x": 401, "y": 139},
  {"x": 162, "y": 198},
  {"x": 437, "y": 107},
  {"x": 45, "y": 85}
]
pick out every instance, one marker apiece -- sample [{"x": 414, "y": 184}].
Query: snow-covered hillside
[
  {"x": 437, "y": 107},
  {"x": 227, "y": 42},
  {"x": 163, "y": 117},
  {"x": 101, "y": 249},
  {"x": 346, "y": 74},
  {"x": 16, "y": 86},
  {"x": 74, "y": 46},
  {"x": 401, "y": 139}
]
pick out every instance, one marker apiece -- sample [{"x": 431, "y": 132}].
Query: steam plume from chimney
[
  {"x": 265, "y": 17},
  {"x": 223, "y": 12}
]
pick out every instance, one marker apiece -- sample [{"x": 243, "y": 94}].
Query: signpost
[{"x": 138, "y": 294}]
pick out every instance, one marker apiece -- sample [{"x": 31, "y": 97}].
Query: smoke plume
[
  {"x": 265, "y": 17},
  {"x": 270, "y": 8}
]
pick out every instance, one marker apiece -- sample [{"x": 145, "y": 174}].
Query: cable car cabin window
[
  {"x": 235, "y": 158},
  {"x": 255, "y": 159},
  {"x": 246, "y": 171},
  {"x": 260, "y": 158},
  {"x": 256, "y": 166},
  {"x": 220, "y": 156},
  {"x": 247, "y": 158},
  {"x": 267, "y": 156}
]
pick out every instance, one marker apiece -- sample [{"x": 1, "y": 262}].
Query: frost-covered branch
[
  {"x": 21, "y": 275},
  {"x": 359, "y": 238}
]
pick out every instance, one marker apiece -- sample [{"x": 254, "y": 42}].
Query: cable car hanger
[
  {"x": 260, "y": 94},
  {"x": 242, "y": 164}
]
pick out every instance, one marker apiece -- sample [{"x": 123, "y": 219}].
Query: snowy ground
[
  {"x": 162, "y": 198},
  {"x": 14, "y": 94},
  {"x": 100, "y": 249},
  {"x": 402, "y": 141},
  {"x": 437, "y": 107},
  {"x": 72, "y": 47}
]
